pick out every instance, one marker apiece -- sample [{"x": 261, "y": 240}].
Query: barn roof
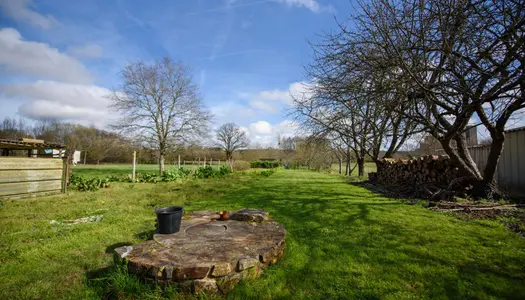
[
  {"x": 28, "y": 144},
  {"x": 516, "y": 129}
]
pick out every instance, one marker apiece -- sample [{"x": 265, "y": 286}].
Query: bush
[
  {"x": 204, "y": 172},
  {"x": 265, "y": 164},
  {"x": 267, "y": 173},
  {"x": 240, "y": 165},
  {"x": 146, "y": 177},
  {"x": 79, "y": 183},
  {"x": 180, "y": 173},
  {"x": 224, "y": 170}
]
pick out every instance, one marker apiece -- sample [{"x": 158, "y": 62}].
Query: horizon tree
[
  {"x": 160, "y": 106},
  {"x": 230, "y": 138}
]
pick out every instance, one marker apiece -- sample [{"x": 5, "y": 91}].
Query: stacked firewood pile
[{"x": 420, "y": 177}]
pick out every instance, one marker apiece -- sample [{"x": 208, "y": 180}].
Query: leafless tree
[
  {"x": 464, "y": 60},
  {"x": 230, "y": 138},
  {"x": 160, "y": 105},
  {"x": 351, "y": 98}
]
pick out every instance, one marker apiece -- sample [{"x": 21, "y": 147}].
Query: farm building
[{"x": 31, "y": 167}]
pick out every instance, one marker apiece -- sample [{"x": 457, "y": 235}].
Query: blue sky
[{"x": 58, "y": 58}]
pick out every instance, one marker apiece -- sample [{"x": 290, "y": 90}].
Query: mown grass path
[{"x": 343, "y": 242}]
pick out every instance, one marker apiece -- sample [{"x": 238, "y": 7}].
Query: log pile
[{"x": 420, "y": 177}]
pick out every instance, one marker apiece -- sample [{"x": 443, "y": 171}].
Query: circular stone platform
[{"x": 208, "y": 254}]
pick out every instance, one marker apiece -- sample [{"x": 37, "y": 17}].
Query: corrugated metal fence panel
[
  {"x": 26, "y": 175},
  {"x": 510, "y": 172}
]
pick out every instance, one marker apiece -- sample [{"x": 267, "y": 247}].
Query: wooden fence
[
  {"x": 24, "y": 176},
  {"x": 510, "y": 172}
]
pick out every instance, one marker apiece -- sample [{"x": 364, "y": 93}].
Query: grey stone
[
  {"x": 246, "y": 263},
  {"x": 206, "y": 285}
]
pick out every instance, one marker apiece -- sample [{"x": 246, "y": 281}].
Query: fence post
[
  {"x": 133, "y": 167},
  {"x": 179, "y": 161}
]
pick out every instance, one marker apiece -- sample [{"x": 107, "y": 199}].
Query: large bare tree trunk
[
  {"x": 494, "y": 154},
  {"x": 347, "y": 171},
  {"x": 361, "y": 166},
  {"x": 161, "y": 163}
]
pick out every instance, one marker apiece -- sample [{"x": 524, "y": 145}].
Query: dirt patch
[{"x": 512, "y": 216}]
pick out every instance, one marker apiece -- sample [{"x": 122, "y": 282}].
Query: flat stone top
[{"x": 206, "y": 246}]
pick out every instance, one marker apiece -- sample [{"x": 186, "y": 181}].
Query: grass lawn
[
  {"x": 369, "y": 167},
  {"x": 343, "y": 242},
  {"x": 105, "y": 170}
]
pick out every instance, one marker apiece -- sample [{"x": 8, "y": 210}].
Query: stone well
[{"x": 208, "y": 254}]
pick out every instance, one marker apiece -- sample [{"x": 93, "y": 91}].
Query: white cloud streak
[
  {"x": 20, "y": 10},
  {"x": 86, "y": 50},
  {"x": 38, "y": 59}
]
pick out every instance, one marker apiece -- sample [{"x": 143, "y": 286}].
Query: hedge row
[{"x": 265, "y": 164}]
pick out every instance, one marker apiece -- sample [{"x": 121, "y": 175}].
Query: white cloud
[
  {"x": 44, "y": 109},
  {"x": 20, "y": 10},
  {"x": 261, "y": 127},
  {"x": 312, "y": 5},
  {"x": 271, "y": 100},
  {"x": 295, "y": 90},
  {"x": 57, "y": 100},
  {"x": 86, "y": 50},
  {"x": 38, "y": 59},
  {"x": 286, "y": 128},
  {"x": 259, "y": 104},
  {"x": 265, "y": 134}
]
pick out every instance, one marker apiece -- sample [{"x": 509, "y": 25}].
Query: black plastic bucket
[{"x": 169, "y": 218}]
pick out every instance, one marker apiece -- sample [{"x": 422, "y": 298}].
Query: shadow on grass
[{"x": 345, "y": 242}]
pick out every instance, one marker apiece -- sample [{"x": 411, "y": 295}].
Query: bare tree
[
  {"x": 465, "y": 61},
  {"x": 160, "y": 105},
  {"x": 230, "y": 138}
]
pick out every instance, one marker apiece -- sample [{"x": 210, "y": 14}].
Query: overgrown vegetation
[
  {"x": 267, "y": 173},
  {"x": 265, "y": 164},
  {"x": 79, "y": 183}
]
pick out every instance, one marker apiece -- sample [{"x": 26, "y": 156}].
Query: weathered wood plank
[
  {"x": 29, "y": 163},
  {"x": 7, "y": 189},
  {"x": 29, "y": 175},
  {"x": 32, "y": 195}
]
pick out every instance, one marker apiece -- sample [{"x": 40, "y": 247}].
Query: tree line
[{"x": 405, "y": 67}]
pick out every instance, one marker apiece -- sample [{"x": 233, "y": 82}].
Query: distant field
[
  {"x": 369, "y": 167},
  {"x": 105, "y": 170}
]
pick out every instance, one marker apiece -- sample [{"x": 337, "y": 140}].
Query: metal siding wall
[
  {"x": 510, "y": 172},
  {"x": 22, "y": 176},
  {"x": 520, "y": 135}
]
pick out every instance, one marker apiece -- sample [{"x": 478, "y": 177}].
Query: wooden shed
[{"x": 35, "y": 173}]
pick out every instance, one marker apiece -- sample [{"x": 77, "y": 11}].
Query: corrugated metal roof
[
  {"x": 25, "y": 145},
  {"x": 516, "y": 129}
]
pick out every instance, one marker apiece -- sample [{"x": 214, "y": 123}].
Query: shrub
[
  {"x": 79, "y": 183},
  {"x": 146, "y": 177},
  {"x": 265, "y": 164},
  {"x": 180, "y": 173},
  {"x": 204, "y": 172},
  {"x": 224, "y": 170},
  {"x": 240, "y": 165},
  {"x": 267, "y": 173}
]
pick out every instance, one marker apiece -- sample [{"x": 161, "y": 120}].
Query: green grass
[
  {"x": 105, "y": 170},
  {"x": 343, "y": 241},
  {"x": 369, "y": 167}
]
